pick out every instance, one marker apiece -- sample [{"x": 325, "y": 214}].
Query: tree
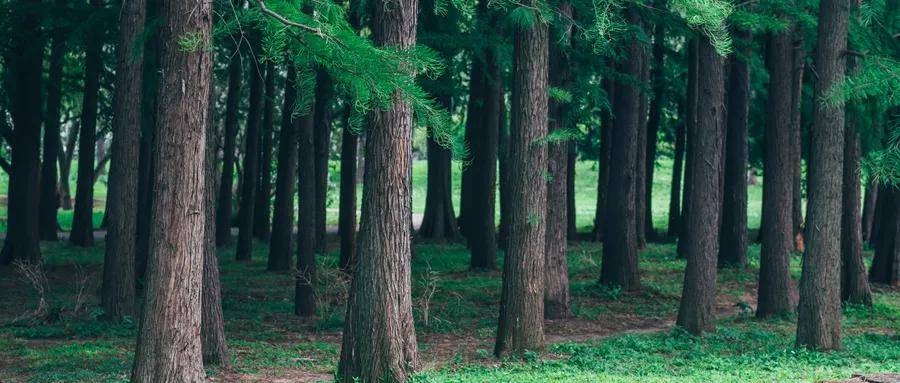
[
  {"x": 212, "y": 326},
  {"x": 606, "y": 137},
  {"x": 251, "y": 156},
  {"x": 819, "y": 319},
  {"x": 703, "y": 195},
  {"x": 322, "y": 121},
  {"x": 733, "y": 235},
  {"x": 799, "y": 58},
  {"x": 226, "y": 186},
  {"x": 775, "y": 284},
  {"x": 690, "y": 125},
  {"x": 439, "y": 220},
  {"x": 23, "y": 80},
  {"x": 49, "y": 194},
  {"x": 868, "y": 210},
  {"x": 83, "y": 218},
  {"x": 556, "y": 268},
  {"x": 379, "y": 339},
  {"x": 347, "y": 198},
  {"x": 261, "y": 227},
  {"x": 304, "y": 296},
  {"x": 521, "y": 325},
  {"x": 640, "y": 165},
  {"x": 854, "y": 284},
  {"x": 885, "y": 267},
  {"x": 674, "y": 221},
  {"x": 285, "y": 179},
  {"x": 117, "y": 297},
  {"x": 169, "y": 344},
  {"x": 654, "y": 120}
]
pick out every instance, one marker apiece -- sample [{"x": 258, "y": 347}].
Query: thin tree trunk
[
  {"x": 819, "y": 319},
  {"x": 503, "y": 173},
  {"x": 521, "y": 325},
  {"x": 251, "y": 158},
  {"x": 439, "y": 221},
  {"x": 885, "y": 267},
  {"x": 285, "y": 180},
  {"x": 690, "y": 126},
  {"x": 146, "y": 177},
  {"x": 571, "y": 225},
  {"x": 65, "y": 167},
  {"x": 379, "y": 339},
  {"x": 603, "y": 163},
  {"x": 82, "y": 220},
  {"x": 262, "y": 228},
  {"x": 226, "y": 186},
  {"x": 118, "y": 291},
  {"x": 868, "y": 211},
  {"x": 347, "y": 203},
  {"x": 640, "y": 164},
  {"x": 169, "y": 344},
  {"x": 704, "y": 195},
  {"x": 733, "y": 236},
  {"x": 304, "y": 294},
  {"x": 854, "y": 284},
  {"x": 799, "y": 63},
  {"x": 49, "y": 194},
  {"x": 654, "y": 122},
  {"x": 323, "y": 116},
  {"x": 674, "y": 221}
]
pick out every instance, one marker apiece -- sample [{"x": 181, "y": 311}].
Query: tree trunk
[
  {"x": 65, "y": 167},
  {"x": 775, "y": 284},
  {"x": 640, "y": 164},
  {"x": 654, "y": 122},
  {"x": 379, "y": 339},
  {"x": 606, "y": 138},
  {"x": 620, "y": 266},
  {"x": 149, "y": 129},
  {"x": 323, "y": 116},
  {"x": 854, "y": 284},
  {"x": 704, "y": 195},
  {"x": 169, "y": 344},
  {"x": 819, "y": 319},
  {"x": 439, "y": 221},
  {"x": 733, "y": 236},
  {"x": 24, "y": 61},
  {"x": 799, "y": 63},
  {"x": 251, "y": 159},
  {"x": 690, "y": 126},
  {"x": 556, "y": 267},
  {"x": 285, "y": 180},
  {"x": 885, "y": 267},
  {"x": 674, "y": 221},
  {"x": 304, "y": 295},
  {"x": 571, "y": 225},
  {"x": 49, "y": 195},
  {"x": 262, "y": 228},
  {"x": 503, "y": 173},
  {"x": 521, "y": 325},
  {"x": 347, "y": 203},
  {"x": 118, "y": 291},
  {"x": 226, "y": 186},
  {"x": 868, "y": 211},
  {"x": 82, "y": 220}
]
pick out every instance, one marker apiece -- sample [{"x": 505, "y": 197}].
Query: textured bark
[
  {"x": 169, "y": 344},
  {"x": 690, "y": 126},
  {"x": 285, "y": 180},
  {"x": 117, "y": 293},
  {"x": 212, "y": 326},
  {"x": 799, "y": 63},
  {"x": 347, "y": 202},
  {"x": 262, "y": 228},
  {"x": 885, "y": 267},
  {"x": 24, "y": 60},
  {"x": 775, "y": 284},
  {"x": 323, "y": 116},
  {"x": 819, "y": 319},
  {"x": 49, "y": 194},
  {"x": 854, "y": 283},
  {"x": 521, "y": 325},
  {"x": 146, "y": 175},
  {"x": 251, "y": 158},
  {"x": 733, "y": 236},
  {"x": 82, "y": 220},
  {"x": 379, "y": 339},
  {"x": 704, "y": 196},
  {"x": 226, "y": 186},
  {"x": 304, "y": 296},
  {"x": 606, "y": 138},
  {"x": 654, "y": 122},
  {"x": 439, "y": 221},
  {"x": 674, "y": 221},
  {"x": 868, "y": 210},
  {"x": 640, "y": 160},
  {"x": 503, "y": 175},
  {"x": 556, "y": 268},
  {"x": 620, "y": 266}
]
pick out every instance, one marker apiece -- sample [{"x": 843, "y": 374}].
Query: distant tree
[
  {"x": 212, "y": 326},
  {"x": 606, "y": 137},
  {"x": 285, "y": 179},
  {"x": 49, "y": 198},
  {"x": 854, "y": 283},
  {"x": 674, "y": 219},
  {"x": 262, "y": 214},
  {"x": 690, "y": 121},
  {"x": 885, "y": 267},
  {"x": 226, "y": 186},
  {"x": 799, "y": 66},
  {"x": 322, "y": 121},
  {"x": 304, "y": 296},
  {"x": 655, "y": 119},
  {"x": 247, "y": 206}
]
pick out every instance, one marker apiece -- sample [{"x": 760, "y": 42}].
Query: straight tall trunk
[
  {"x": 149, "y": 129},
  {"x": 169, "y": 344},
  {"x": 82, "y": 220},
  {"x": 379, "y": 338},
  {"x": 690, "y": 125},
  {"x": 49, "y": 195},
  {"x": 603, "y": 162},
  {"x": 347, "y": 202},
  {"x": 503, "y": 174},
  {"x": 212, "y": 325},
  {"x": 640, "y": 164},
  {"x": 674, "y": 221},
  {"x": 65, "y": 167},
  {"x": 775, "y": 284},
  {"x": 251, "y": 160},
  {"x": 868, "y": 211},
  {"x": 733, "y": 236},
  {"x": 304, "y": 295},
  {"x": 323, "y": 116},
  {"x": 118, "y": 291},
  {"x": 885, "y": 267},
  {"x": 819, "y": 319},
  {"x": 654, "y": 122},
  {"x": 704, "y": 195},
  {"x": 439, "y": 220},
  {"x": 262, "y": 228},
  {"x": 226, "y": 186},
  {"x": 799, "y": 64},
  {"x": 854, "y": 282},
  {"x": 571, "y": 225},
  {"x": 285, "y": 180},
  {"x": 521, "y": 324}
]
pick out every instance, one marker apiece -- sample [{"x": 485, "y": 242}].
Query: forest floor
[{"x": 613, "y": 335}]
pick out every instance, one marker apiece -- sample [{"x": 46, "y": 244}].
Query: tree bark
[
  {"x": 521, "y": 325},
  {"x": 251, "y": 158},
  {"x": 262, "y": 228},
  {"x": 323, "y": 116},
  {"x": 503, "y": 174},
  {"x": 674, "y": 221},
  {"x": 606, "y": 138},
  {"x": 640, "y": 166},
  {"x": 690, "y": 126},
  {"x": 854, "y": 284},
  {"x": 819, "y": 319},
  {"x": 25, "y": 61},
  {"x": 226, "y": 186},
  {"x": 654, "y": 122},
  {"x": 118, "y": 291},
  {"x": 733, "y": 236},
  {"x": 379, "y": 339},
  {"x": 439, "y": 221},
  {"x": 704, "y": 195},
  {"x": 82, "y": 220},
  {"x": 304, "y": 295},
  {"x": 775, "y": 284},
  {"x": 347, "y": 203},
  {"x": 149, "y": 129},
  {"x": 868, "y": 211},
  {"x": 885, "y": 267},
  {"x": 285, "y": 180},
  {"x": 49, "y": 193},
  {"x": 799, "y": 63},
  {"x": 169, "y": 344}
]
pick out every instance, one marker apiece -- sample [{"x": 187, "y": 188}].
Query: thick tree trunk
[
  {"x": 169, "y": 344},
  {"x": 704, "y": 195},
  {"x": 439, "y": 220},
  {"x": 226, "y": 186},
  {"x": 285, "y": 180},
  {"x": 304, "y": 295},
  {"x": 212, "y": 327},
  {"x": 654, "y": 122},
  {"x": 690, "y": 126},
  {"x": 379, "y": 339},
  {"x": 347, "y": 203},
  {"x": 117, "y": 293},
  {"x": 799, "y": 64},
  {"x": 521, "y": 325},
  {"x": 251, "y": 159},
  {"x": 24, "y": 60},
  {"x": 49, "y": 195},
  {"x": 556, "y": 267},
  {"x": 603, "y": 163},
  {"x": 620, "y": 265},
  {"x": 674, "y": 221},
  {"x": 82, "y": 220},
  {"x": 733, "y": 236},
  {"x": 854, "y": 284},
  {"x": 885, "y": 267},
  {"x": 323, "y": 116},
  {"x": 868, "y": 210},
  {"x": 775, "y": 295},
  {"x": 819, "y": 319},
  {"x": 262, "y": 228}
]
